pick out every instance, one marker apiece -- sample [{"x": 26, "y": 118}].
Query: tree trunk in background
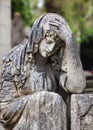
[
  {"x": 18, "y": 33},
  {"x": 5, "y": 28}
]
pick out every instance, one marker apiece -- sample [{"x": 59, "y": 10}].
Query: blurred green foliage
[
  {"x": 80, "y": 17},
  {"x": 27, "y": 10},
  {"x": 79, "y": 14},
  {"x": 23, "y": 7}
]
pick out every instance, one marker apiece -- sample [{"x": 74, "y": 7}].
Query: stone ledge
[{"x": 82, "y": 111}]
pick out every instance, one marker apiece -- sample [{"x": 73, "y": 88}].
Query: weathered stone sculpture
[{"x": 36, "y": 76}]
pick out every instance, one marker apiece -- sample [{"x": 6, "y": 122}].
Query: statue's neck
[{"x": 41, "y": 62}]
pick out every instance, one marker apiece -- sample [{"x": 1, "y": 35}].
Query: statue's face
[{"x": 47, "y": 44}]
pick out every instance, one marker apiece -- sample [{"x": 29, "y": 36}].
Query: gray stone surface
[
  {"x": 82, "y": 112},
  {"x": 46, "y": 111}
]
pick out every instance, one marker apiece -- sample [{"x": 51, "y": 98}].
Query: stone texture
[
  {"x": 82, "y": 112},
  {"x": 47, "y": 111}
]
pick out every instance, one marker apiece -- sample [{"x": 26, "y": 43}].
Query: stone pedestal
[{"x": 82, "y": 112}]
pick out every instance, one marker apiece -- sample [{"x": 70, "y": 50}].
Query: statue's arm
[{"x": 73, "y": 79}]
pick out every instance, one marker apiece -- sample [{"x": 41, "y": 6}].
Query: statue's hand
[{"x": 62, "y": 29}]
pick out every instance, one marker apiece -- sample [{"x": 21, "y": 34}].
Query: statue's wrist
[{"x": 69, "y": 41}]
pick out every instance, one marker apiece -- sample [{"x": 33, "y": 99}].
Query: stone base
[{"x": 82, "y": 112}]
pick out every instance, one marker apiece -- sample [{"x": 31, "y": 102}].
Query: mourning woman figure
[{"x": 36, "y": 73}]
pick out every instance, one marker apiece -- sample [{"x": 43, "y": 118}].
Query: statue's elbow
[
  {"x": 76, "y": 88},
  {"x": 76, "y": 84}
]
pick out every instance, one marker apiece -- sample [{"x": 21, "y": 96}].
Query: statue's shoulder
[
  {"x": 13, "y": 61},
  {"x": 14, "y": 52}
]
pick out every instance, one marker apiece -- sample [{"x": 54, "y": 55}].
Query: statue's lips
[{"x": 47, "y": 52}]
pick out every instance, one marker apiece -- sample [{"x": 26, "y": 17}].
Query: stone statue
[{"x": 36, "y": 73}]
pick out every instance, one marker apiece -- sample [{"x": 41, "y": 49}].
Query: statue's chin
[{"x": 45, "y": 54}]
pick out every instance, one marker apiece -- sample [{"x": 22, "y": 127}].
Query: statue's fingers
[
  {"x": 60, "y": 23},
  {"x": 56, "y": 23},
  {"x": 59, "y": 26}
]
